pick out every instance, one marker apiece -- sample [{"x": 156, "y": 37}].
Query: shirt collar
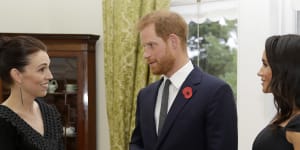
[{"x": 180, "y": 75}]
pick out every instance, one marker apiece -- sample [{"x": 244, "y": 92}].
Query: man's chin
[{"x": 156, "y": 72}]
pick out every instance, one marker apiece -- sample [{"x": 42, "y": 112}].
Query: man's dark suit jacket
[{"x": 206, "y": 121}]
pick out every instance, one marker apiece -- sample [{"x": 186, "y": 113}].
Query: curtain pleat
[{"x": 125, "y": 69}]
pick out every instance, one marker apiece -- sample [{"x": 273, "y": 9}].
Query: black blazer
[{"x": 206, "y": 121}]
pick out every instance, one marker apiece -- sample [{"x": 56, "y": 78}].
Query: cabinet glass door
[{"x": 63, "y": 93}]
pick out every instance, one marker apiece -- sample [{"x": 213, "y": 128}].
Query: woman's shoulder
[
  {"x": 294, "y": 124},
  {"x": 293, "y": 131},
  {"x": 8, "y": 120},
  {"x": 6, "y": 114},
  {"x": 8, "y": 131}
]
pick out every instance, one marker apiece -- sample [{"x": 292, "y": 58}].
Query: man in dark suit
[{"x": 200, "y": 112}]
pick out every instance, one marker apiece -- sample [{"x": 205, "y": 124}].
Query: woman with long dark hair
[{"x": 280, "y": 75}]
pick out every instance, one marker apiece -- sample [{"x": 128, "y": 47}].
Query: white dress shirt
[{"x": 176, "y": 81}]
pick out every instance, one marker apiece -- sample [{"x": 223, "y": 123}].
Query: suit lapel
[
  {"x": 152, "y": 104},
  {"x": 180, "y": 101}
]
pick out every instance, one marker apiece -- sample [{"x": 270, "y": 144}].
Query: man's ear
[
  {"x": 174, "y": 41},
  {"x": 16, "y": 75}
]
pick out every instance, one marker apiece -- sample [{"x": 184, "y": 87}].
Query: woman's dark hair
[
  {"x": 14, "y": 52},
  {"x": 283, "y": 54}
]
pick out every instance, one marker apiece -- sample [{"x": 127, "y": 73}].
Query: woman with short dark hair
[{"x": 26, "y": 122}]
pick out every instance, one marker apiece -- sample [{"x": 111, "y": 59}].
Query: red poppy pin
[{"x": 187, "y": 92}]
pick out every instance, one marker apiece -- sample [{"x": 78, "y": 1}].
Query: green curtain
[{"x": 125, "y": 69}]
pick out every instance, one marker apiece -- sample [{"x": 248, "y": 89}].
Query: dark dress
[
  {"x": 16, "y": 134},
  {"x": 274, "y": 138}
]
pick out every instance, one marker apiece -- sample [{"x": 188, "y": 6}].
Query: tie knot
[{"x": 167, "y": 83}]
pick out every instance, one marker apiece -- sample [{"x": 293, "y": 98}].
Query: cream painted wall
[
  {"x": 62, "y": 16},
  {"x": 51, "y": 16},
  {"x": 253, "y": 106}
]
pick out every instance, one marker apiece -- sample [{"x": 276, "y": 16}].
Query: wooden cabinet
[{"x": 73, "y": 68}]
